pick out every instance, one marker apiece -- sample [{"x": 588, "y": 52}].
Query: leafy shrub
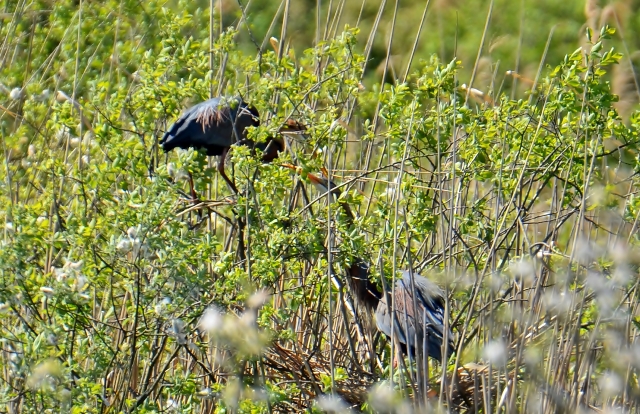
[{"x": 121, "y": 293}]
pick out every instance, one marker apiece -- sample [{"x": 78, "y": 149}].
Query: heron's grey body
[{"x": 420, "y": 325}]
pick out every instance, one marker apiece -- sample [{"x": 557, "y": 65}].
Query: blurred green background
[
  {"x": 516, "y": 35},
  {"x": 516, "y": 38}
]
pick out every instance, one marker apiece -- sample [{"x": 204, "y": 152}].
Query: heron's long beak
[{"x": 321, "y": 183}]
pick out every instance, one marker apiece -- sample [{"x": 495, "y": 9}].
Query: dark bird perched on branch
[
  {"x": 217, "y": 124},
  {"x": 419, "y": 303}
]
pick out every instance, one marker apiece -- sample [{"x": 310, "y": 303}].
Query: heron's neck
[
  {"x": 274, "y": 146},
  {"x": 365, "y": 291}
]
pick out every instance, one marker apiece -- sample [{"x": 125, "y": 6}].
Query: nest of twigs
[{"x": 307, "y": 369}]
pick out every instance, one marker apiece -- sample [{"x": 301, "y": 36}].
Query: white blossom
[
  {"x": 171, "y": 170},
  {"x": 178, "y": 331},
  {"x": 42, "y": 96},
  {"x": 211, "y": 320},
  {"x": 15, "y": 94},
  {"x": 495, "y": 352},
  {"x": 124, "y": 245},
  {"x": 331, "y": 404},
  {"x": 611, "y": 383},
  {"x": 47, "y": 291}
]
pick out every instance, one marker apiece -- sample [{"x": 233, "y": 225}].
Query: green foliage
[{"x": 119, "y": 292}]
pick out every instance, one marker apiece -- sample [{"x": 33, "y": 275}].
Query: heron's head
[
  {"x": 291, "y": 126},
  {"x": 167, "y": 143},
  {"x": 247, "y": 110}
]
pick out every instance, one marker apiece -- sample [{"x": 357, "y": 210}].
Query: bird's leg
[
  {"x": 221, "y": 159},
  {"x": 395, "y": 361},
  {"x": 194, "y": 196},
  {"x": 192, "y": 187}
]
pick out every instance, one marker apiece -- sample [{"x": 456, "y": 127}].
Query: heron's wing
[
  {"x": 430, "y": 301},
  {"x": 419, "y": 325},
  {"x": 383, "y": 318},
  {"x": 211, "y": 124},
  {"x": 384, "y": 321}
]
